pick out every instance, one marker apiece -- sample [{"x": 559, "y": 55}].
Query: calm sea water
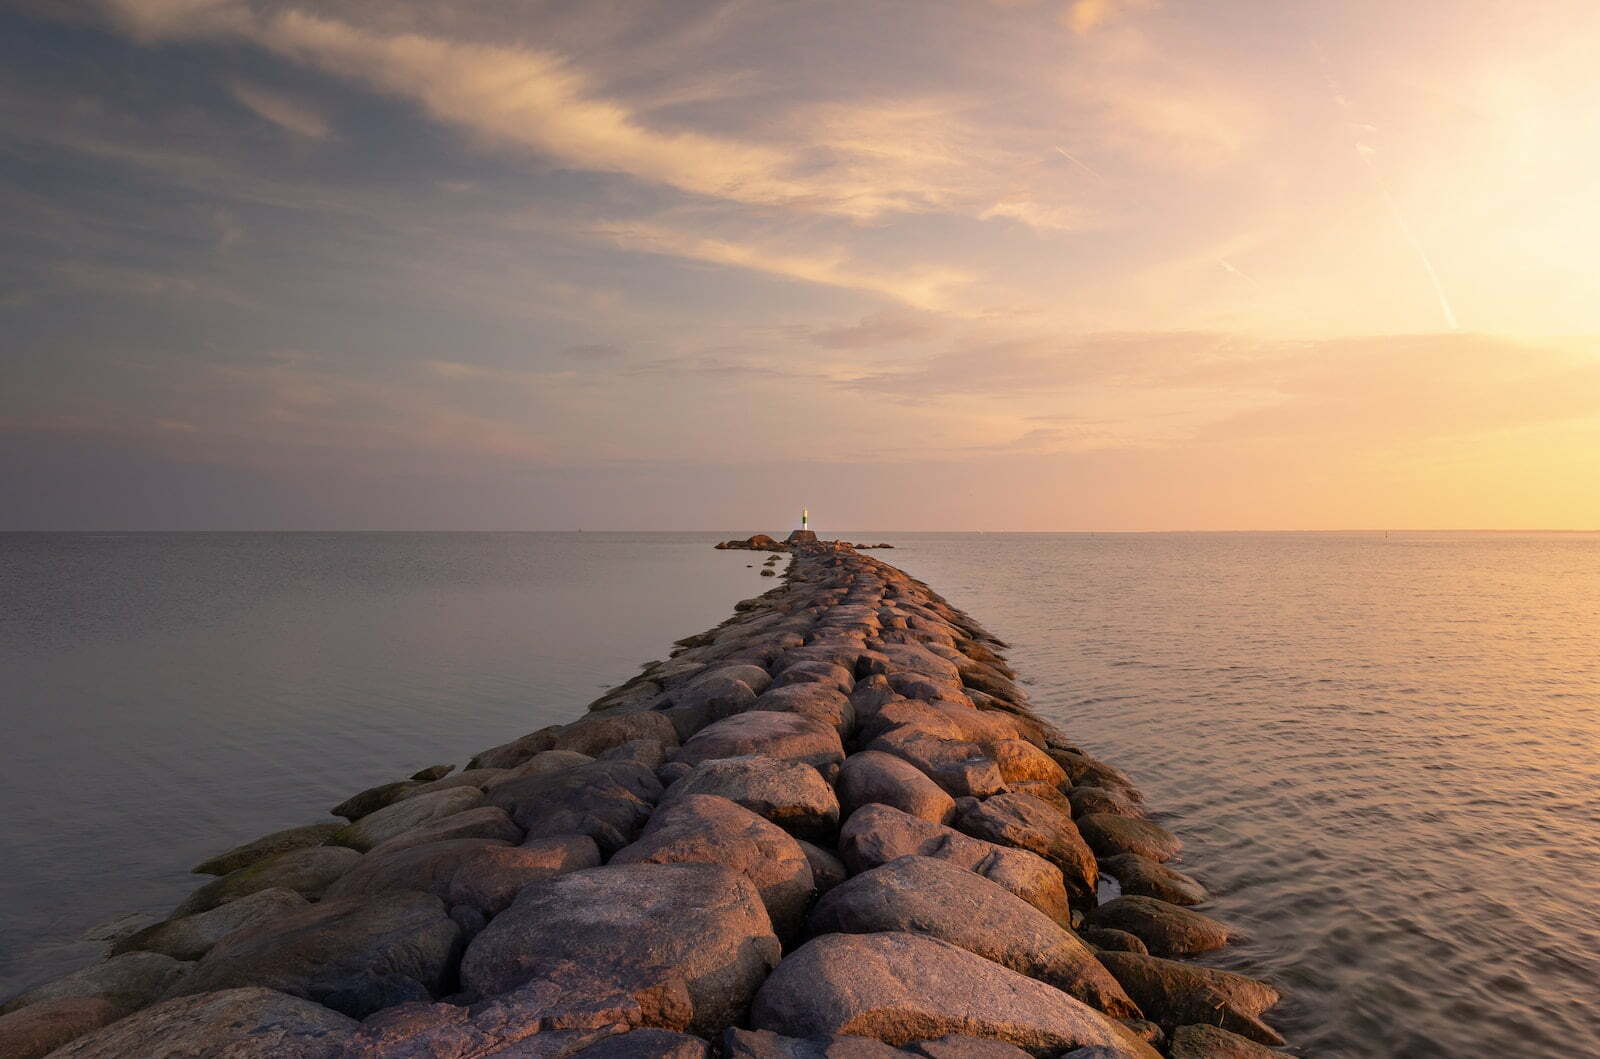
[{"x": 1382, "y": 753}]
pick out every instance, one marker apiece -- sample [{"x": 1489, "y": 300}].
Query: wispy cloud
[{"x": 282, "y": 111}]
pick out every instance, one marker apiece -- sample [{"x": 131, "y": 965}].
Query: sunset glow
[{"x": 988, "y": 264}]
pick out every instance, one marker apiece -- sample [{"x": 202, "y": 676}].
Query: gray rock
[
  {"x": 876, "y": 834},
  {"x": 1175, "y": 994},
  {"x": 402, "y": 815},
  {"x": 902, "y": 987},
  {"x": 491, "y": 878},
  {"x": 1085, "y": 771},
  {"x": 305, "y": 871},
  {"x": 955, "y": 1047},
  {"x": 479, "y": 778},
  {"x": 786, "y": 736},
  {"x": 961, "y": 768},
  {"x": 597, "y": 733},
  {"x": 427, "y": 869},
  {"x": 647, "y": 1044},
  {"x": 130, "y": 981},
  {"x": 830, "y": 674},
  {"x": 607, "y": 800},
  {"x": 1209, "y": 1042},
  {"x": 486, "y": 821},
  {"x": 824, "y": 703},
  {"x": 354, "y": 954},
  {"x": 1143, "y": 877},
  {"x": 265, "y": 846},
  {"x": 39, "y": 1029},
  {"x": 1024, "y": 822},
  {"x": 543, "y": 763},
  {"x": 872, "y": 776},
  {"x": 1086, "y": 800},
  {"x": 517, "y": 751},
  {"x": 1113, "y": 940},
  {"x": 706, "y": 829},
  {"x": 372, "y": 799},
  {"x": 230, "y": 1024},
  {"x": 827, "y": 870},
  {"x": 651, "y": 753},
  {"x": 921, "y": 895},
  {"x": 1167, "y": 930},
  {"x": 191, "y": 937},
  {"x": 791, "y": 794},
  {"x": 1110, "y": 835},
  {"x": 764, "y": 1044},
  {"x": 689, "y": 942},
  {"x": 432, "y": 772}
]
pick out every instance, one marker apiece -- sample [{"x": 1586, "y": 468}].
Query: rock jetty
[{"x": 829, "y": 828}]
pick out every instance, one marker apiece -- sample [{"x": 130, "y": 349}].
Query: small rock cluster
[{"x": 829, "y": 827}]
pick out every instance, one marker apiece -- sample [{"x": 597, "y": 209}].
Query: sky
[{"x": 692, "y": 264}]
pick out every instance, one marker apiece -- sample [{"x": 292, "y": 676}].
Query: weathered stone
[
  {"x": 872, "y": 776},
  {"x": 1020, "y": 761},
  {"x": 1024, "y": 822},
  {"x": 543, "y": 763},
  {"x": 651, "y": 753},
  {"x": 672, "y": 772},
  {"x": 791, "y": 794},
  {"x": 1085, "y": 771},
  {"x": 1046, "y": 793},
  {"x": 372, "y": 799},
  {"x": 479, "y": 778},
  {"x": 1110, "y": 835},
  {"x": 486, "y": 821},
  {"x": 397, "y": 818},
  {"x": 517, "y": 751},
  {"x": 786, "y": 736},
  {"x": 816, "y": 671},
  {"x": 902, "y": 987},
  {"x": 597, "y": 733},
  {"x": 826, "y": 704},
  {"x": 962, "y": 769},
  {"x": 1174, "y": 994},
  {"x": 827, "y": 870},
  {"x": 278, "y": 842},
  {"x": 957, "y": 1047},
  {"x": 921, "y": 895},
  {"x": 646, "y": 1044},
  {"x": 354, "y": 955},
  {"x": 703, "y": 828},
  {"x": 230, "y": 1024},
  {"x": 39, "y": 1029},
  {"x": 131, "y": 981},
  {"x": 1145, "y": 878},
  {"x": 1086, "y": 800},
  {"x": 305, "y": 871},
  {"x": 764, "y": 1044},
  {"x": 1113, "y": 940},
  {"x": 607, "y": 800},
  {"x": 878, "y": 834},
  {"x": 490, "y": 879},
  {"x": 432, "y": 772},
  {"x": 706, "y": 701},
  {"x": 1167, "y": 930},
  {"x": 428, "y": 869},
  {"x": 1209, "y": 1042},
  {"x": 690, "y": 942},
  {"x": 191, "y": 937}
]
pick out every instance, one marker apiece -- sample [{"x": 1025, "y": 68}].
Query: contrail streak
[
  {"x": 1063, "y": 152},
  {"x": 1366, "y": 154},
  {"x": 1229, "y": 266}
]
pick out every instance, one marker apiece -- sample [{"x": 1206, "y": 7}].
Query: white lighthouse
[{"x": 805, "y": 519}]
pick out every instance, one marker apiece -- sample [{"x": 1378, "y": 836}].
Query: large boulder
[
  {"x": 1085, "y": 771},
  {"x": 1209, "y": 1042},
  {"x": 307, "y": 872},
  {"x": 646, "y": 1044},
  {"x": 1175, "y": 994},
  {"x": 1146, "y": 878},
  {"x": 278, "y": 842},
  {"x": 404, "y": 814},
  {"x": 130, "y": 981},
  {"x": 900, "y": 987},
  {"x": 706, "y": 829},
  {"x": 790, "y": 794},
  {"x": 490, "y": 879},
  {"x": 607, "y": 800},
  {"x": 826, "y": 704},
  {"x": 1167, "y": 930},
  {"x": 1022, "y": 821},
  {"x": 878, "y": 834},
  {"x": 517, "y": 751},
  {"x": 598, "y": 733},
  {"x": 246, "y": 1023},
  {"x": 354, "y": 954},
  {"x": 191, "y": 937},
  {"x": 786, "y": 736},
  {"x": 1110, "y": 835},
  {"x": 921, "y": 895},
  {"x": 691, "y": 942},
  {"x": 426, "y": 869},
  {"x": 816, "y": 671},
  {"x": 486, "y": 821},
  {"x": 872, "y": 776},
  {"x": 39, "y": 1029},
  {"x": 373, "y": 798},
  {"x": 1086, "y": 800},
  {"x": 827, "y": 870},
  {"x": 764, "y": 1044},
  {"x": 961, "y": 768},
  {"x": 1022, "y": 762}
]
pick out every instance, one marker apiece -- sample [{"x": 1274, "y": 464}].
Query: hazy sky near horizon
[{"x": 972, "y": 264}]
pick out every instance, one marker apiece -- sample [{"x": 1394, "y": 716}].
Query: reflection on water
[
  {"x": 1380, "y": 753},
  {"x": 1383, "y": 756}
]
